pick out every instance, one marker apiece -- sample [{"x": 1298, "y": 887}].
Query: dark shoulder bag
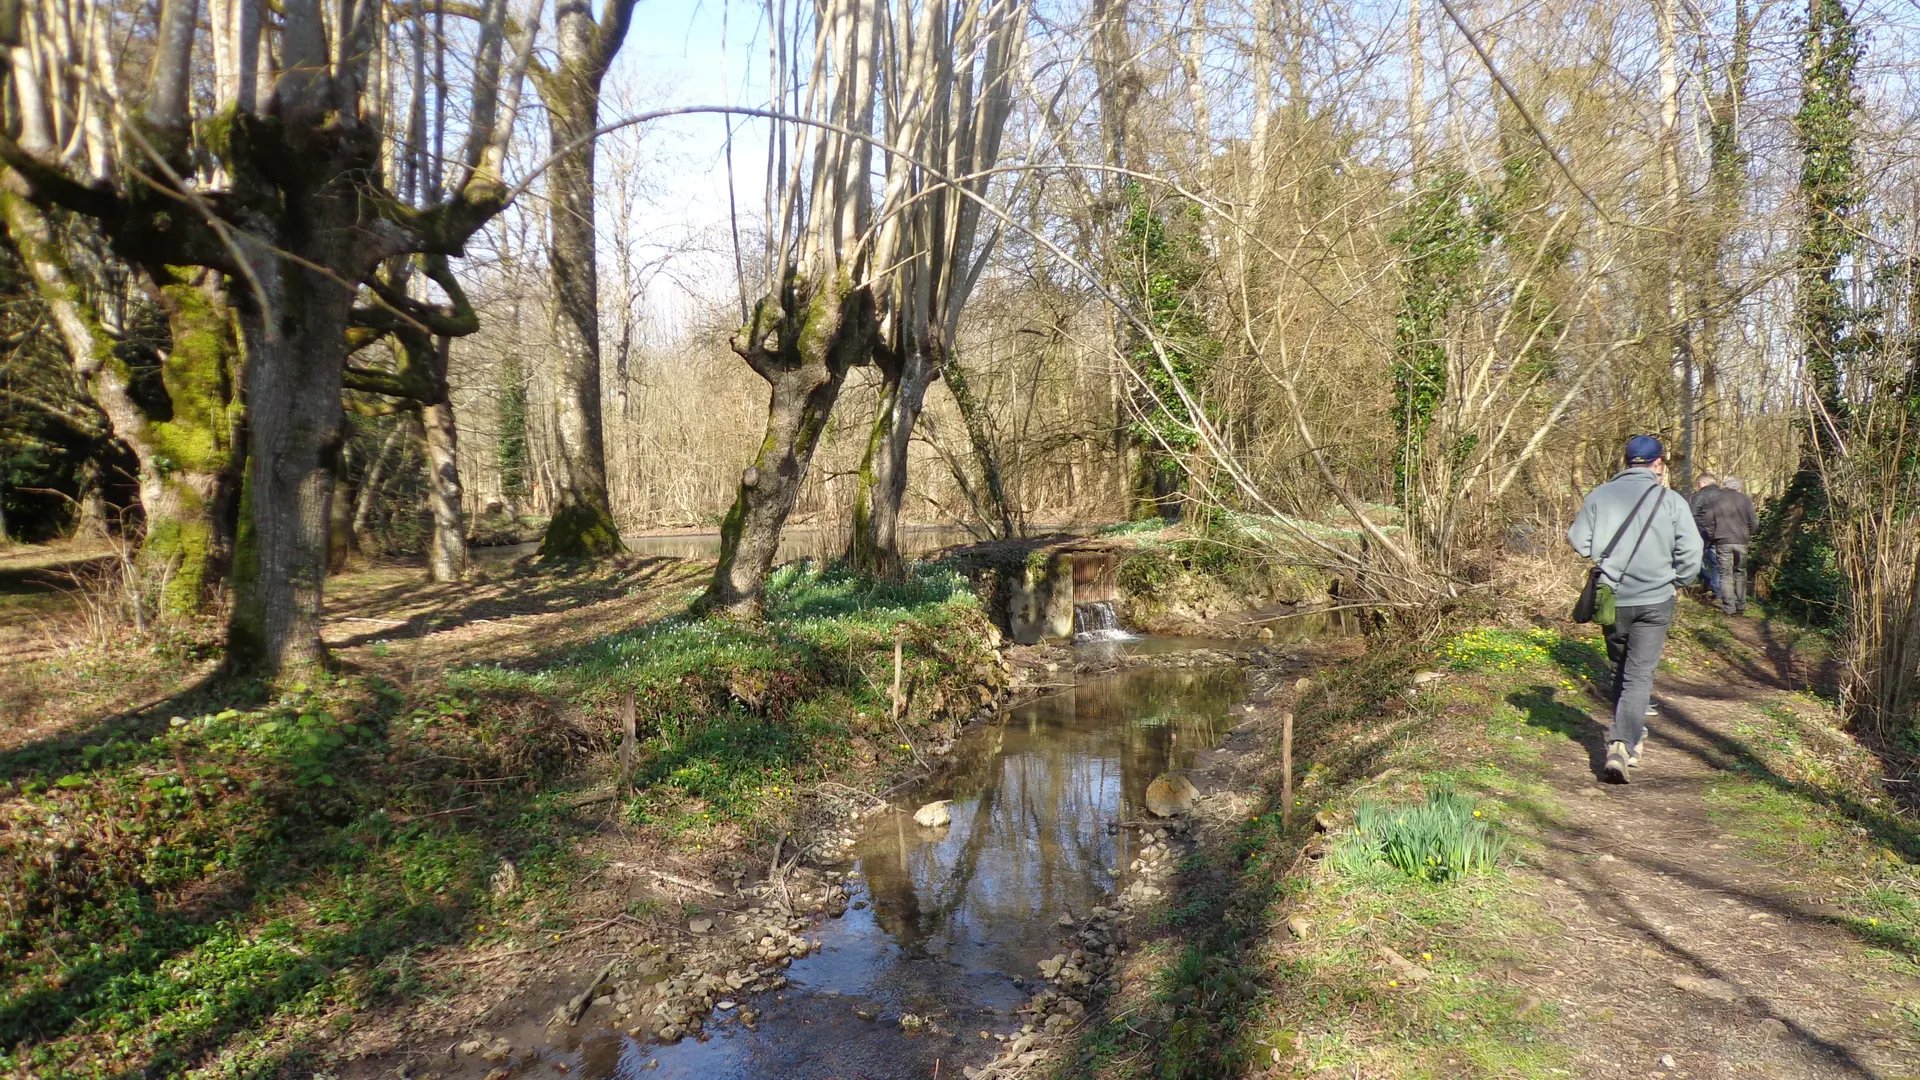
[{"x": 1596, "y": 600}]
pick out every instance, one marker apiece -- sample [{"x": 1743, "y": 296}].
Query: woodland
[
  {"x": 361, "y": 362},
  {"x": 291, "y": 285}
]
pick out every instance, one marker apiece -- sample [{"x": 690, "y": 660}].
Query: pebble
[{"x": 1774, "y": 1029}]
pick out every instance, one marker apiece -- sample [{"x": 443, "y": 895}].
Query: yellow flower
[
  {"x": 1393, "y": 982},
  {"x": 1426, "y": 956},
  {"x": 1476, "y": 813}
]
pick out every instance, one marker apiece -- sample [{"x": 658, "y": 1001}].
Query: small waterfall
[{"x": 1098, "y": 622}]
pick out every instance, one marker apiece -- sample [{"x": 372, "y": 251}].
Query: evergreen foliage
[
  {"x": 1441, "y": 243},
  {"x": 1165, "y": 260}
]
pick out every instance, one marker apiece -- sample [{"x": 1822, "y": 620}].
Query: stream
[{"x": 949, "y": 923}]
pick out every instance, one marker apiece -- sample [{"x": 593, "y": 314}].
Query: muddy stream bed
[{"x": 945, "y": 927}]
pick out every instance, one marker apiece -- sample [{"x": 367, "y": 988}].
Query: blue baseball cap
[{"x": 1644, "y": 450}]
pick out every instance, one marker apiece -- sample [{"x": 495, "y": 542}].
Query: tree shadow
[
  {"x": 1542, "y": 708},
  {"x": 448, "y": 606}
]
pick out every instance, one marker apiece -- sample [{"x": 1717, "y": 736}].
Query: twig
[
  {"x": 404, "y": 819},
  {"x": 1286, "y": 770}
]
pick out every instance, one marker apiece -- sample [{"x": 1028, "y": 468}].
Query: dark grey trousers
[
  {"x": 1634, "y": 642},
  {"x": 1732, "y": 586}
]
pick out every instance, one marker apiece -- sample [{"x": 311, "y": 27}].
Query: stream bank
[{"x": 950, "y": 947}]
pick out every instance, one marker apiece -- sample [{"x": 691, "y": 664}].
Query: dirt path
[{"x": 1690, "y": 952}]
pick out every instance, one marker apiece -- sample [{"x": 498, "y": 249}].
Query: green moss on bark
[
  {"x": 196, "y": 373},
  {"x": 580, "y": 531}
]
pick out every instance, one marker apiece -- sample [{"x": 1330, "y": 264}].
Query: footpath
[
  {"x": 1748, "y": 906},
  {"x": 1710, "y": 931}
]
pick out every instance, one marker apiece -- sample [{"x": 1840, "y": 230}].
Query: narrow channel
[{"x": 948, "y": 924}]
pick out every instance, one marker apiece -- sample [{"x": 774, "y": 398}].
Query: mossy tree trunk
[
  {"x": 296, "y": 361},
  {"x": 803, "y": 342},
  {"x": 883, "y": 471},
  {"x": 189, "y": 446}
]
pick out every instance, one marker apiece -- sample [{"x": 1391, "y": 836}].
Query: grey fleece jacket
[{"x": 1670, "y": 553}]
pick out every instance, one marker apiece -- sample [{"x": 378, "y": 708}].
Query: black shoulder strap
[{"x": 1601, "y": 562}]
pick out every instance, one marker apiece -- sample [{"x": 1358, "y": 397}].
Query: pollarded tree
[
  {"x": 268, "y": 198},
  {"x": 949, "y": 92},
  {"x": 815, "y": 319}
]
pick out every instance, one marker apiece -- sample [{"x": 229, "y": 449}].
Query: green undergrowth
[
  {"x": 821, "y": 665},
  {"x": 214, "y": 894},
  {"x": 1228, "y": 566}
]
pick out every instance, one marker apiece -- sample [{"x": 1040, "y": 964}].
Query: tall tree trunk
[
  {"x": 802, "y": 342},
  {"x": 296, "y": 360},
  {"x": 883, "y": 472},
  {"x": 447, "y": 558},
  {"x": 582, "y": 525}
]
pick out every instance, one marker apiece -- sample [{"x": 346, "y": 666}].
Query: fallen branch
[
  {"x": 579, "y": 1004},
  {"x": 684, "y": 883}
]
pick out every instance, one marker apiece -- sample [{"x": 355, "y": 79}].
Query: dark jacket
[
  {"x": 1669, "y": 553},
  {"x": 1729, "y": 519},
  {"x": 1700, "y": 502}
]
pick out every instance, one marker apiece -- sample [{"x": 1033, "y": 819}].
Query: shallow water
[{"x": 951, "y": 920}]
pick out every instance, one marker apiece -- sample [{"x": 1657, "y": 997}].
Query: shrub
[{"x": 1443, "y": 839}]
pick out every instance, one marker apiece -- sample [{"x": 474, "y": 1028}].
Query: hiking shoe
[
  {"x": 1633, "y": 752},
  {"x": 1617, "y": 762},
  {"x": 1653, "y": 707}
]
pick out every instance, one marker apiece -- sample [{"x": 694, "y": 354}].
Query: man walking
[
  {"x": 1702, "y": 500},
  {"x": 1731, "y": 522},
  {"x": 1662, "y": 548}
]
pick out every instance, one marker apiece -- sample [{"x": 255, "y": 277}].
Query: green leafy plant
[{"x": 1443, "y": 839}]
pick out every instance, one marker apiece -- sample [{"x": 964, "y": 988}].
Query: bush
[{"x": 1443, "y": 839}]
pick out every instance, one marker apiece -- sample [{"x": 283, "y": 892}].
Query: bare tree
[
  {"x": 950, "y": 92},
  {"x": 815, "y": 319}
]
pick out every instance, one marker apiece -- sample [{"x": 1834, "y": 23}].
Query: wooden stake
[
  {"x": 1286, "y": 770},
  {"x": 896, "y": 680},
  {"x": 628, "y": 741}
]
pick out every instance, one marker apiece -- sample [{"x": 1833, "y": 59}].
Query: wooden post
[
  {"x": 1286, "y": 770},
  {"x": 896, "y": 678},
  {"x": 628, "y": 742}
]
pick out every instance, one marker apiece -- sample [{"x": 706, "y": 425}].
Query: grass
[
  {"x": 1440, "y": 840},
  {"x": 216, "y": 893}
]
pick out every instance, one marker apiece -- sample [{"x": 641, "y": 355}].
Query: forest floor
[
  {"x": 1747, "y": 907},
  {"x": 353, "y": 875}
]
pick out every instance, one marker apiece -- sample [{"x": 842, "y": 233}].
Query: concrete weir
[{"x": 1032, "y": 586}]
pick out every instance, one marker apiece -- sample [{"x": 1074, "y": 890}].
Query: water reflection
[
  {"x": 956, "y": 914},
  {"x": 1031, "y": 803}
]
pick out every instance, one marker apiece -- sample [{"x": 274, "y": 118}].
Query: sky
[{"x": 673, "y": 56}]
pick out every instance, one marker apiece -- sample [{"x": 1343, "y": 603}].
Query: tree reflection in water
[{"x": 1032, "y": 801}]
